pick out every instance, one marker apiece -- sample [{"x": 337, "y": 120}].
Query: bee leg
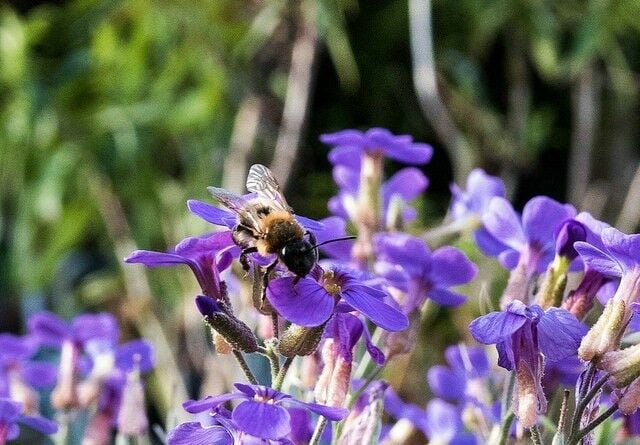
[
  {"x": 243, "y": 257},
  {"x": 312, "y": 238}
]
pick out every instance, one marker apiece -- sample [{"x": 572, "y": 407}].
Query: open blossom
[
  {"x": 526, "y": 337},
  {"x": 349, "y": 146},
  {"x": 207, "y": 256},
  {"x": 11, "y": 415},
  {"x": 263, "y": 411},
  {"x": 408, "y": 264},
  {"x": 310, "y": 301}
]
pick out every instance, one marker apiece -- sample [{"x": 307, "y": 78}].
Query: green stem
[
  {"x": 536, "y": 437},
  {"x": 593, "y": 425},
  {"x": 582, "y": 404},
  {"x": 245, "y": 367},
  {"x": 506, "y": 427},
  {"x": 277, "y": 384},
  {"x": 317, "y": 433},
  {"x": 274, "y": 362}
]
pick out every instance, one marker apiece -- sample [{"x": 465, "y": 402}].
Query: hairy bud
[
  {"x": 623, "y": 365},
  {"x": 298, "y": 340},
  {"x": 605, "y": 334},
  {"x": 236, "y": 333}
]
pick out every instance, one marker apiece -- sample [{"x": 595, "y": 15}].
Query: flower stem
[
  {"x": 276, "y": 325},
  {"x": 317, "y": 433},
  {"x": 584, "y": 401},
  {"x": 593, "y": 425},
  {"x": 245, "y": 367},
  {"x": 277, "y": 384},
  {"x": 506, "y": 427},
  {"x": 536, "y": 437}
]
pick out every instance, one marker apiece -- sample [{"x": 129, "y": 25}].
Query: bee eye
[{"x": 283, "y": 252}]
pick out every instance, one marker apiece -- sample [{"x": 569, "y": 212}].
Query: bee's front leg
[{"x": 243, "y": 257}]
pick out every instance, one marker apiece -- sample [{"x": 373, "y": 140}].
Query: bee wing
[
  {"x": 262, "y": 182},
  {"x": 239, "y": 205}
]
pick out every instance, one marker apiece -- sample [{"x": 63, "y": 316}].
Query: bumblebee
[{"x": 266, "y": 224}]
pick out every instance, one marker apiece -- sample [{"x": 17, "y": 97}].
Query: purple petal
[
  {"x": 38, "y": 423},
  {"x": 136, "y": 353},
  {"x": 598, "y": 260},
  {"x": 204, "y": 245},
  {"x": 446, "y": 384},
  {"x": 40, "y": 374},
  {"x": 376, "y": 354},
  {"x": 307, "y": 303},
  {"x": 103, "y": 326},
  {"x": 446, "y": 297},
  {"x": 509, "y": 258},
  {"x": 155, "y": 259},
  {"x": 487, "y": 243},
  {"x": 570, "y": 232},
  {"x": 496, "y": 327},
  {"x": 14, "y": 348},
  {"x": 329, "y": 412},
  {"x": 262, "y": 419},
  {"x": 335, "y": 227},
  {"x": 541, "y": 217},
  {"x": 49, "y": 329},
  {"x": 625, "y": 248},
  {"x": 212, "y": 214},
  {"x": 193, "y": 433},
  {"x": 443, "y": 421},
  {"x": 451, "y": 267},
  {"x": 349, "y": 156},
  {"x": 393, "y": 273},
  {"x": 199, "y": 406},
  {"x": 408, "y": 183},
  {"x": 473, "y": 360},
  {"x": 502, "y": 222},
  {"x": 559, "y": 334},
  {"x": 343, "y": 137},
  {"x": 369, "y": 302},
  {"x": 346, "y": 178},
  {"x": 309, "y": 223},
  {"x": 407, "y": 251}
]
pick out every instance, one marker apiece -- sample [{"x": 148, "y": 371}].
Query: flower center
[{"x": 331, "y": 283}]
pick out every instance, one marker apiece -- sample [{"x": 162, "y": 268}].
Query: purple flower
[
  {"x": 190, "y": 433},
  {"x": 207, "y": 256},
  {"x": 262, "y": 411},
  {"x": 525, "y": 337},
  {"x": 408, "y": 264},
  {"x": 11, "y": 415},
  {"x": 407, "y": 184},
  {"x": 454, "y": 383},
  {"x": 349, "y": 146},
  {"x": 311, "y": 301},
  {"x": 346, "y": 329}
]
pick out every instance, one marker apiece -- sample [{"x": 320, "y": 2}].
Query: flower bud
[
  {"x": 569, "y": 232},
  {"x": 622, "y": 365},
  {"x": 132, "y": 418},
  {"x": 630, "y": 400},
  {"x": 605, "y": 334},
  {"x": 528, "y": 397},
  {"x": 237, "y": 334},
  {"x": 298, "y": 340},
  {"x": 335, "y": 379}
]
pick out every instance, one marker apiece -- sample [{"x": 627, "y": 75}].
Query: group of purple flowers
[
  {"x": 91, "y": 373},
  {"x": 329, "y": 336}
]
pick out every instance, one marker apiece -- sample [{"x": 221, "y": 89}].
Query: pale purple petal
[
  {"x": 39, "y": 374},
  {"x": 329, "y": 412},
  {"x": 415, "y": 153},
  {"x": 369, "y": 302},
  {"x": 407, "y": 251},
  {"x": 559, "y": 334},
  {"x": 262, "y": 419},
  {"x": 199, "y": 406},
  {"x": 346, "y": 155},
  {"x": 408, "y": 183},
  {"x": 155, "y": 259},
  {"x": 481, "y": 187},
  {"x": 509, "y": 258},
  {"x": 541, "y": 216},
  {"x": 307, "y": 303},
  {"x": 136, "y": 353},
  {"x": 443, "y": 421},
  {"x": 193, "y": 433},
  {"x": 48, "y": 328},
  {"x": 343, "y": 137},
  {"x": 445, "y": 383},
  {"x": 38, "y": 423},
  {"x": 208, "y": 244},
  {"x": 346, "y": 178},
  {"x": 103, "y": 326},
  {"x": 598, "y": 260},
  {"x": 211, "y": 214},
  {"x": 487, "y": 243},
  {"x": 451, "y": 267},
  {"x": 503, "y": 223},
  {"x": 14, "y": 348},
  {"x": 394, "y": 273},
  {"x": 495, "y": 327},
  {"x": 625, "y": 248},
  {"x": 446, "y": 297},
  {"x": 473, "y": 360}
]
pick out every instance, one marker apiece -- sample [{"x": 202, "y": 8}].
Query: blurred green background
[{"x": 114, "y": 113}]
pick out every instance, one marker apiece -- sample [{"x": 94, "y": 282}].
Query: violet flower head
[
  {"x": 408, "y": 264},
  {"x": 453, "y": 383},
  {"x": 207, "y": 256},
  {"x": 263, "y": 411},
  {"x": 569, "y": 232},
  {"x": 350, "y": 145},
  {"x": 525, "y": 337},
  {"x": 407, "y": 184},
  {"x": 310, "y": 301},
  {"x": 11, "y": 414},
  {"x": 346, "y": 329}
]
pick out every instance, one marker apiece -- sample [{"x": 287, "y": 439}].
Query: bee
[{"x": 267, "y": 225}]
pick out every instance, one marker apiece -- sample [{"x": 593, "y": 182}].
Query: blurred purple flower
[
  {"x": 207, "y": 256},
  {"x": 311, "y": 301},
  {"x": 453, "y": 383},
  {"x": 525, "y": 337},
  {"x": 408, "y": 264},
  {"x": 349, "y": 146},
  {"x": 262, "y": 411},
  {"x": 11, "y": 415}
]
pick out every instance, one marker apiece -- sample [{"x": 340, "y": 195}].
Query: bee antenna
[{"x": 344, "y": 238}]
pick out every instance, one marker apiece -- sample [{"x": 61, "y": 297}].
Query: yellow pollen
[{"x": 330, "y": 284}]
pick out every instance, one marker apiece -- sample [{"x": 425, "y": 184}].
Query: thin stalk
[
  {"x": 317, "y": 433},
  {"x": 274, "y": 362},
  {"x": 536, "y": 437},
  {"x": 506, "y": 427},
  {"x": 593, "y": 425},
  {"x": 276, "y": 325},
  {"x": 277, "y": 384},
  {"x": 245, "y": 367},
  {"x": 582, "y": 404},
  {"x": 563, "y": 411},
  {"x": 508, "y": 394}
]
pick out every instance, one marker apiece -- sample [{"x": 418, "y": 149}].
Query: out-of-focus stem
[
  {"x": 582, "y": 404},
  {"x": 536, "y": 437},
  {"x": 317, "y": 433},
  {"x": 593, "y": 425},
  {"x": 245, "y": 367},
  {"x": 506, "y": 427}
]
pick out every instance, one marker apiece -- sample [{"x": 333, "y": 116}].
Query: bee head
[{"x": 299, "y": 256}]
